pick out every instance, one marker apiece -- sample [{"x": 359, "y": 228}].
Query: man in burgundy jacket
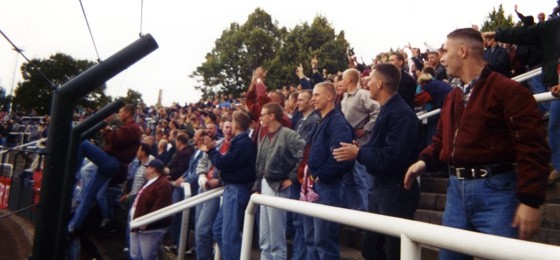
[
  {"x": 112, "y": 161},
  {"x": 491, "y": 138},
  {"x": 145, "y": 241}
]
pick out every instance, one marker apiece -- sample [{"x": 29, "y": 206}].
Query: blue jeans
[
  {"x": 322, "y": 240},
  {"x": 229, "y": 222},
  {"x": 108, "y": 199},
  {"x": 299, "y": 248},
  {"x": 107, "y": 167},
  {"x": 175, "y": 227},
  {"x": 390, "y": 199},
  {"x": 205, "y": 215},
  {"x": 554, "y": 133},
  {"x": 536, "y": 86},
  {"x": 356, "y": 188},
  {"x": 144, "y": 245},
  {"x": 485, "y": 205},
  {"x": 272, "y": 226}
]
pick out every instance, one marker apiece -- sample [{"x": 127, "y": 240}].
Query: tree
[
  {"x": 4, "y": 100},
  {"x": 133, "y": 97},
  {"x": 497, "y": 19},
  {"x": 301, "y": 44},
  {"x": 35, "y": 92},
  {"x": 240, "y": 49},
  {"x": 259, "y": 42}
]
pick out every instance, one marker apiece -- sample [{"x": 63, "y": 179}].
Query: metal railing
[
  {"x": 413, "y": 234},
  {"x": 541, "y": 97},
  {"x": 177, "y": 207}
]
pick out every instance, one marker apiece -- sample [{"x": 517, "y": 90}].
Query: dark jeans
[{"x": 391, "y": 199}]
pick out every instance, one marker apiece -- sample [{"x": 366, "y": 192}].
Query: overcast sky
[{"x": 187, "y": 30}]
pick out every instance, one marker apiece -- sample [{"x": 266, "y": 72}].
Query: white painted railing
[
  {"x": 177, "y": 207},
  {"x": 412, "y": 233},
  {"x": 527, "y": 75}
]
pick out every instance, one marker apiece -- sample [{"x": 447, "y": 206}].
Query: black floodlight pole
[
  {"x": 92, "y": 124},
  {"x": 45, "y": 246}
]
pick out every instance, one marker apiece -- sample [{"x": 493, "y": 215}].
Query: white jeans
[
  {"x": 145, "y": 245},
  {"x": 272, "y": 226}
]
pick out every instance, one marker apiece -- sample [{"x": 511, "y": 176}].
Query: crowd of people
[{"x": 346, "y": 139}]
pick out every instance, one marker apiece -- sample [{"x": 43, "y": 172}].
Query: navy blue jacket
[
  {"x": 438, "y": 90},
  {"x": 393, "y": 144},
  {"x": 329, "y": 133},
  {"x": 498, "y": 60},
  {"x": 238, "y": 164}
]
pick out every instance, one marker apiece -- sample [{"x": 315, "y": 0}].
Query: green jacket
[{"x": 546, "y": 36}]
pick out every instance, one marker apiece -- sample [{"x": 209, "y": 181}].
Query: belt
[{"x": 478, "y": 172}]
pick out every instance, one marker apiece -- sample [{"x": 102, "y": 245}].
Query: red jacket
[
  {"x": 500, "y": 124},
  {"x": 124, "y": 142},
  {"x": 152, "y": 198},
  {"x": 255, "y": 100}
]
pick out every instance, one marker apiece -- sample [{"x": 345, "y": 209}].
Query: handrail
[
  {"x": 23, "y": 145},
  {"x": 429, "y": 114},
  {"x": 527, "y": 75},
  {"x": 468, "y": 242},
  {"x": 176, "y": 207},
  {"x": 541, "y": 97}
]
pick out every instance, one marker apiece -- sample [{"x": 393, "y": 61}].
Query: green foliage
[
  {"x": 133, "y": 97},
  {"x": 497, "y": 19},
  {"x": 35, "y": 93},
  {"x": 259, "y": 42},
  {"x": 4, "y": 100},
  {"x": 239, "y": 50}
]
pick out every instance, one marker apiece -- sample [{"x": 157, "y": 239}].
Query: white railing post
[
  {"x": 248, "y": 229},
  {"x": 410, "y": 249},
  {"x": 184, "y": 223}
]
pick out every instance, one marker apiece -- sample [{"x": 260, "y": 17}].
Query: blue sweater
[
  {"x": 329, "y": 133},
  {"x": 238, "y": 164},
  {"x": 393, "y": 144}
]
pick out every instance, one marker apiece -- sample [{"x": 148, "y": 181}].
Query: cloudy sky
[{"x": 187, "y": 30}]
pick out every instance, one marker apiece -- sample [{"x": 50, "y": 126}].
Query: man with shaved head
[{"x": 491, "y": 139}]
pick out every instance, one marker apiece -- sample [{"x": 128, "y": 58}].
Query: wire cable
[
  {"x": 20, "y": 51},
  {"x": 90, "y": 33},
  {"x": 141, "y": 16}
]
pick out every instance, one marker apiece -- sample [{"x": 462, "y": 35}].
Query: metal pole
[
  {"x": 409, "y": 249},
  {"x": 248, "y": 230},
  {"x": 49, "y": 222},
  {"x": 184, "y": 224},
  {"x": 71, "y": 162},
  {"x": 89, "y": 133}
]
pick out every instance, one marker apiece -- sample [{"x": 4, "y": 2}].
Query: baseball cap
[{"x": 156, "y": 163}]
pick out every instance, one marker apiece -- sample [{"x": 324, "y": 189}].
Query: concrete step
[
  {"x": 428, "y": 216},
  {"x": 551, "y": 216},
  {"x": 432, "y": 201},
  {"x": 433, "y": 184}
]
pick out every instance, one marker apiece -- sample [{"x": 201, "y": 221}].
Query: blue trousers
[
  {"x": 356, "y": 188},
  {"x": 322, "y": 239},
  {"x": 107, "y": 167},
  {"x": 205, "y": 216},
  {"x": 485, "y": 205},
  {"x": 229, "y": 222},
  {"x": 299, "y": 247}
]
